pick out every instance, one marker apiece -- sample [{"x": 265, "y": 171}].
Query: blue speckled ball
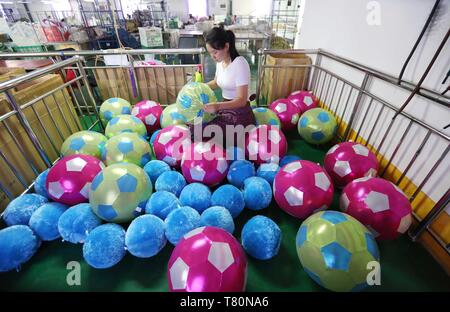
[
  {"x": 180, "y": 222},
  {"x": 230, "y": 197},
  {"x": 105, "y": 246},
  {"x": 257, "y": 193},
  {"x": 161, "y": 204},
  {"x": 239, "y": 171},
  {"x": 219, "y": 217},
  {"x": 288, "y": 159},
  {"x": 39, "y": 184},
  {"x": 76, "y": 222},
  {"x": 18, "y": 243},
  {"x": 171, "y": 181},
  {"x": 154, "y": 168},
  {"x": 234, "y": 153},
  {"x": 153, "y": 137},
  {"x": 268, "y": 172},
  {"x": 44, "y": 221},
  {"x": 261, "y": 238},
  {"x": 145, "y": 236},
  {"x": 21, "y": 208},
  {"x": 197, "y": 196}
]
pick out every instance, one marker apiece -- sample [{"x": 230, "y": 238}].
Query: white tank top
[{"x": 234, "y": 75}]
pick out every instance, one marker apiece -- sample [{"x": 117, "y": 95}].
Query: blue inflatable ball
[
  {"x": 219, "y": 217},
  {"x": 234, "y": 153},
  {"x": 288, "y": 159},
  {"x": 261, "y": 238},
  {"x": 180, "y": 222},
  {"x": 153, "y": 137},
  {"x": 171, "y": 181},
  {"x": 39, "y": 184},
  {"x": 18, "y": 244},
  {"x": 44, "y": 221},
  {"x": 105, "y": 246},
  {"x": 257, "y": 193},
  {"x": 76, "y": 222},
  {"x": 154, "y": 168},
  {"x": 161, "y": 204},
  {"x": 197, "y": 196},
  {"x": 268, "y": 172},
  {"x": 230, "y": 197},
  {"x": 145, "y": 236},
  {"x": 21, "y": 208},
  {"x": 239, "y": 171}
]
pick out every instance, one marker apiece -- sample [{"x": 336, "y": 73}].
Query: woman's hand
[{"x": 211, "y": 108}]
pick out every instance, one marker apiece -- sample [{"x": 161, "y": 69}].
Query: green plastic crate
[{"x": 25, "y": 49}]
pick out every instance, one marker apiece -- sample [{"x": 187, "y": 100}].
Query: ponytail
[{"x": 218, "y": 37}]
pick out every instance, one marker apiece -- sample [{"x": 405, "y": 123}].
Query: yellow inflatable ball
[
  {"x": 113, "y": 107},
  {"x": 84, "y": 142},
  {"x": 125, "y": 123}
]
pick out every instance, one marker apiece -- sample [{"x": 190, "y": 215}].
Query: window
[{"x": 198, "y": 8}]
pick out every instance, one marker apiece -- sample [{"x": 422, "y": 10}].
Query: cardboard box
[
  {"x": 151, "y": 37},
  {"x": 280, "y": 82},
  {"x": 7, "y": 73},
  {"x": 57, "y": 115},
  {"x": 157, "y": 83}
]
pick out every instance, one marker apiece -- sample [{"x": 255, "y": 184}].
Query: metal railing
[
  {"x": 35, "y": 124},
  {"x": 365, "y": 117},
  {"x": 159, "y": 82},
  {"x": 361, "y": 114}
]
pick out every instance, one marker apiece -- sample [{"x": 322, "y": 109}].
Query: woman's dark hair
[{"x": 218, "y": 37}]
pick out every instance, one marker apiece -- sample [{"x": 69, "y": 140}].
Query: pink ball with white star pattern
[
  {"x": 205, "y": 163},
  {"x": 287, "y": 112},
  {"x": 149, "y": 112},
  {"x": 69, "y": 180},
  {"x": 304, "y": 100},
  {"x": 170, "y": 143},
  {"x": 348, "y": 161},
  {"x": 207, "y": 259},
  {"x": 378, "y": 204},
  {"x": 265, "y": 144},
  {"x": 302, "y": 188}
]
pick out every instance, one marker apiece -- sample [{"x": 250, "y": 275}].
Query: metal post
[
  {"x": 88, "y": 88},
  {"x": 316, "y": 69},
  {"x": 356, "y": 106},
  {"x": 437, "y": 209},
  {"x": 23, "y": 120}
]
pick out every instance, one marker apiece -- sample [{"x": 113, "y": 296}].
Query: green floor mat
[{"x": 405, "y": 266}]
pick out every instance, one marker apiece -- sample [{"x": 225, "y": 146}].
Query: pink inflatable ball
[
  {"x": 69, "y": 180},
  {"x": 205, "y": 163},
  {"x": 207, "y": 259},
  {"x": 265, "y": 144},
  {"x": 348, "y": 161},
  {"x": 287, "y": 112},
  {"x": 302, "y": 188},
  {"x": 378, "y": 204},
  {"x": 304, "y": 100},
  {"x": 170, "y": 142},
  {"x": 150, "y": 113}
]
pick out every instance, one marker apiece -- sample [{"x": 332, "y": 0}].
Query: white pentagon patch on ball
[
  {"x": 292, "y": 167},
  {"x": 77, "y": 164},
  {"x": 150, "y": 120},
  {"x": 220, "y": 256},
  {"x": 342, "y": 168},
  {"x": 294, "y": 196},
  {"x": 361, "y": 150},
  {"x": 164, "y": 138},
  {"x": 179, "y": 273},
  {"x": 322, "y": 181},
  {"x": 377, "y": 201}
]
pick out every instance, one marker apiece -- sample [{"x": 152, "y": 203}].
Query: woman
[{"x": 233, "y": 77}]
